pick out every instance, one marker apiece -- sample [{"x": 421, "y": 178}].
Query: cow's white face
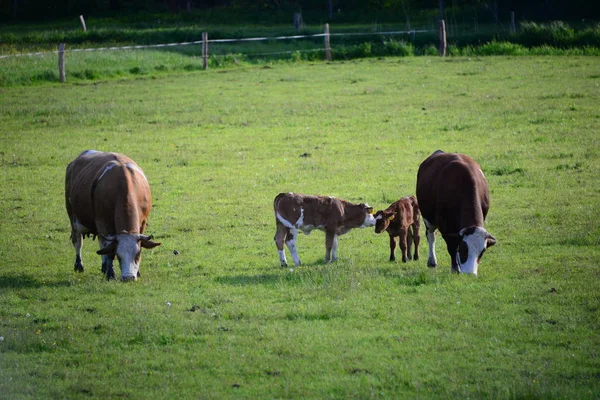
[
  {"x": 129, "y": 253},
  {"x": 475, "y": 240}
]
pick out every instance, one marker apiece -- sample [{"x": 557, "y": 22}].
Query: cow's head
[
  {"x": 382, "y": 220},
  {"x": 128, "y": 249},
  {"x": 474, "y": 241},
  {"x": 369, "y": 218}
]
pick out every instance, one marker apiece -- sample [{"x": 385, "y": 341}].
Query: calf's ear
[
  {"x": 490, "y": 240},
  {"x": 391, "y": 216},
  {"x": 108, "y": 250}
]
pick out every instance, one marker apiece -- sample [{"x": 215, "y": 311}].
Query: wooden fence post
[
  {"x": 513, "y": 29},
  {"x": 83, "y": 23},
  {"x": 205, "y": 50},
  {"x": 61, "y": 63},
  {"x": 443, "y": 44},
  {"x": 327, "y": 44}
]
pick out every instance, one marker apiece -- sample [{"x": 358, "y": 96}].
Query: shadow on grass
[{"x": 27, "y": 281}]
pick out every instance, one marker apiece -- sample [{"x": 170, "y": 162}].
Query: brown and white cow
[
  {"x": 401, "y": 220},
  {"x": 298, "y": 212},
  {"x": 107, "y": 194},
  {"x": 454, "y": 197}
]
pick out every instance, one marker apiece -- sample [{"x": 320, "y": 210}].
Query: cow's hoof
[
  {"x": 431, "y": 265},
  {"x": 416, "y": 257},
  {"x": 404, "y": 259},
  {"x": 78, "y": 267}
]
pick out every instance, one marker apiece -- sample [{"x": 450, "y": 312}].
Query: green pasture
[{"x": 221, "y": 319}]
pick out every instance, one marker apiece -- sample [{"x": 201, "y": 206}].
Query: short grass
[{"x": 221, "y": 319}]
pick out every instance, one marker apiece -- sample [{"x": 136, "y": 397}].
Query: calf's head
[
  {"x": 474, "y": 241},
  {"x": 382, "y": 220},
  {"x": 128, "y": 249},
  {"x": 369, "y": 218}
]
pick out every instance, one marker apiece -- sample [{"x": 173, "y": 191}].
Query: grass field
[{"x": 221, "y": 319}]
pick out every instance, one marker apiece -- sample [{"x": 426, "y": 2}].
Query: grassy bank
[{"x": 221, "y": 319}]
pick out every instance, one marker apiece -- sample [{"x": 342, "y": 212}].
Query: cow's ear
[
  {"x": 108, "y": 250},
  {"x": 490, "y": 240},
  {"x": 149, "y": 244},
  {"x": 391, "y": 216}
]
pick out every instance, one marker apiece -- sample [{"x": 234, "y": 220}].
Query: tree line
[{"x": 530, "y": 9}]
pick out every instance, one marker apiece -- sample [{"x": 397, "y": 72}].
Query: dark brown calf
[{"x": 402, "y": 220}]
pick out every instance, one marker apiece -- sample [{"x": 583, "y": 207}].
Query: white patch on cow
[
  {"x": 369, "y": 221},
  {"x": 134, "y": 167},
  {"x": 476, "y": 243},
  {"x": 79, "y": 227},
  {"x": 282, "y": 258},
  {"x": 128, "y": 246},
  {"x": 291, "y": 244},
  {"x": 284, "y": 221},
  {"x": 377, "y": 218},
  {"x": 334, "y": 248},
  {"x": 432, "y": 259},
  {"x": 85, "y": 153},
  {"x": 108, "y": 168}
]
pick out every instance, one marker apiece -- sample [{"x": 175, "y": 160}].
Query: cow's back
[
  {"x": 447, "y": 184},
  {"x": 93, "y": 182}
]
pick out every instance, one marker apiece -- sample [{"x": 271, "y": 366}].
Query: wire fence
[{"x": 221, "y": 41}]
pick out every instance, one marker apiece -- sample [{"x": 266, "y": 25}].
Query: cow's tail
[{"x": 276, "y": 201}]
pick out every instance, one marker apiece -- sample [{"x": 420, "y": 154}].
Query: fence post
[
  {"x": 61, "y": 63},
  {"x": 443, "y": 44},
  {"x": 513, "y": 29},
  {"x": 327, "y": 44},
  {"x": 205, "y": 50},
  {"x": 83, "y": 23}
]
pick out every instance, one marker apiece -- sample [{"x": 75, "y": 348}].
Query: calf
[
  {"x": 401, "y": 220},
  {"x": 107, "y": 194},
  {"x": 294, "y": 212},
  {"x": 454, "y": 197}
]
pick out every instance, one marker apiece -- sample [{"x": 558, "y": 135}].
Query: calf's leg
[
  {"x": 416, "y": 239},
  {"x": 291, "y": 245},
  {"x": 331, "y": 243},
  {"x": 403, "y": 238},
  {"x": 280, "y": 238},
  {"x": 409, "y": 242},
  {"x": 392, "y": 247}
]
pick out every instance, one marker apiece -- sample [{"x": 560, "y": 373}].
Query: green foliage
[{"x": 220, "y": 319}]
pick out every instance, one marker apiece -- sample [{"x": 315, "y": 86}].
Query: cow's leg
[
  {"x": 280, "y": 237},
  {"x": 291, "y": 245},
  {"x": 392, "y": 247},
  {"x": 330, "y": 244},
  {"x": 77, "y": 240},
  {"x": 403, "y": 238},
  {"x": 416, "y": 239},
  {"x": 432, "y": 259},
  {"x": 452, "y": 251},
  {"x": 107, "y": 261}
]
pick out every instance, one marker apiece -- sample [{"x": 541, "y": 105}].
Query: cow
[
  {"x": 299, "y": 212},
  {"x": 401, "y": 220},
  {"x": 454, "y": 197},
  {"x": 107, "y": 195}
]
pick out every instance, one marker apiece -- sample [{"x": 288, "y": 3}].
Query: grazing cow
[
  {"x": 454, "y": 197},
  {"x": 108, "y": 195},
  {"x": 401, "y": 220},
  {"x": 295, "y": 212}
]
